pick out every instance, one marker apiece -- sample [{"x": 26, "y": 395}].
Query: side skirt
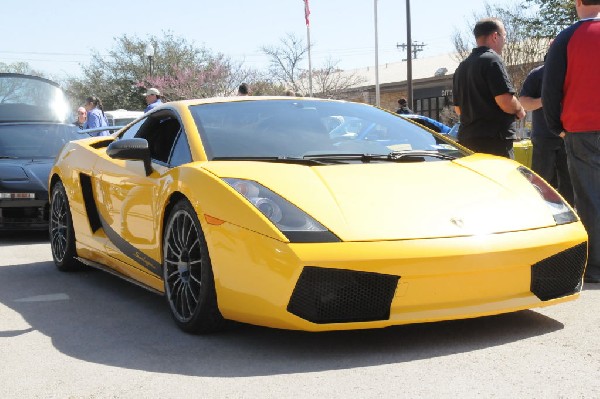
[{"x": 100, "y": 266}]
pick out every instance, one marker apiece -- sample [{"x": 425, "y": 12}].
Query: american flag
[{"x": 306, "y": 12}]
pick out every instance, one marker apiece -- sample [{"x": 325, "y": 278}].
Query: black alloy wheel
[
  {"x": 62, "y": 235},
  {"x": 187, "y": 273}
]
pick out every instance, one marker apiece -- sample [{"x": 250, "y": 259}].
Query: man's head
[
  {"x": 152, "y": 95},
  {"x": 490, "y": 32},
  {"x": 587, "y": 8},
  {"x": 81, "y": 114},
  {"x": 243, "y": 90},
  {"x": 402, "y": 102}
]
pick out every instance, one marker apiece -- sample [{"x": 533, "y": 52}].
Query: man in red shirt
[{"x": 570, "y": 89}]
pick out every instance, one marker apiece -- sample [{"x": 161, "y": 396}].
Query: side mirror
[{"x": 131, "y": 150}]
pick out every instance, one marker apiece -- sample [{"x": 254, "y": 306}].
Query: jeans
[
  {"x": 583, "y": 155},
  {"x": 549, "y": 160}
]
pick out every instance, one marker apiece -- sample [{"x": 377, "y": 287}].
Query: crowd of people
[{"x": 560, "y": 94}]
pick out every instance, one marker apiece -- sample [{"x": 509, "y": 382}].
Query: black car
[{"x": 34, "y": 125}]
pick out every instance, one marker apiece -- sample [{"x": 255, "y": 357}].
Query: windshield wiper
[
  {"x": 401, "y": 156},
  {"x": 397, "y": 155},
  {"x": 290, "y": 160},
  {"x": 346, "y": 157}
]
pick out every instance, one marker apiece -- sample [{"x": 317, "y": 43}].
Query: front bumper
[
  {"x": 24, "y": 214},
  {"x": 378, "y": 284}
]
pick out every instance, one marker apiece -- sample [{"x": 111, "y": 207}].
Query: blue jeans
[
  {"x": 583, "y": 155},
  {"x": 549, "y": 160}
]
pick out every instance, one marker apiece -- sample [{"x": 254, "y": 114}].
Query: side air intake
[
  {"x": 560, "y": 274},
  {"x": 326, "y": 295}
]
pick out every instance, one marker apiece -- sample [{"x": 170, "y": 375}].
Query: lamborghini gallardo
[{"x": 248, "y": 209}]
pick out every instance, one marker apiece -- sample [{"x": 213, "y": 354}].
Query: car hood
[
  {"x": 25, "y": 174},
  {"x": 390, "y": 201}
]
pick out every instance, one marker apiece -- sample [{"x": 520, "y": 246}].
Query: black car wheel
[
  {"x": 62, "y": 235},
  {"x": 187, "y": 273}
]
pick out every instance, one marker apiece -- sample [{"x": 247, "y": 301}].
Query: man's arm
[
  {"x": 457, "y": 110},
  {"x": 510, "y": 104},
  {"x": 530, "y": 96},
  {"x": 555, "y": 69},
  {"x": 530, "y": 103}
]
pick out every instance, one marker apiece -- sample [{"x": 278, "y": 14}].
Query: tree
[
  {"x": 330, "y": 81},
  {"x": 20, "y": 67},
  {"x": 180, "y": 70},
  {"x": 286, "y": 71},
  {"x": 286, "y": 60},
  {"x": 551, "y": 17},
  {"x": 521, "y": 52}
]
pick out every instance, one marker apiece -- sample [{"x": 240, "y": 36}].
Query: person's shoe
[{"x": 591, "y": 279}]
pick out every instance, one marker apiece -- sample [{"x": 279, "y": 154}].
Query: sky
[{"x": 58, "y": 36}]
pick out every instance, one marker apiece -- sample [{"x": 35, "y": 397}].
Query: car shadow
[
  {"x": 23, "y": 237},
  {"x": 591, "y": 286},
  {"x": 96, "y": 317}
]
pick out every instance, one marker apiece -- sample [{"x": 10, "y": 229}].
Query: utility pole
[
  {"x": 416, "y": 48},
  {"x": 409, "y": 56}
]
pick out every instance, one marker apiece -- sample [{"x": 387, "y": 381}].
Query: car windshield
[
  {"x": 31, "y": 99},
  {"x": 309, "y": 128},
  {"x": 35, "y": 140}
]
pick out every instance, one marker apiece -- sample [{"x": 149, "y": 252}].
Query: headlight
[
  {"x": 560, "y": 210},
  {"x": 294, "y": 223}
]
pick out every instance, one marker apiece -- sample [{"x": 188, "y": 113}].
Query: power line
[{"x": 415, "y": 47}]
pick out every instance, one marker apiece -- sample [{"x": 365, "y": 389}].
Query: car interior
[{"x": 161, "y": 130}]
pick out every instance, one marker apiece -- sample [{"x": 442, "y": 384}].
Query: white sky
[{"x": 57, "y": 36}]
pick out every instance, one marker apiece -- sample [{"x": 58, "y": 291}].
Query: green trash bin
[{"x": 523, "y": 150}]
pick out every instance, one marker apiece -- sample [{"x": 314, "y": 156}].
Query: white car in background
[{"x": 121, "y": 117}]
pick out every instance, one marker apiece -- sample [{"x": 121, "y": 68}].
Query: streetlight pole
[
  {"x": 409, "y": 83},
  {"x": 150, "y": 56}
]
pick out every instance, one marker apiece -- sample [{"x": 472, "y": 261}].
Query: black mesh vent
[
  {"x": 560, "y": 274},
  {"x": 341, "y": 296}
]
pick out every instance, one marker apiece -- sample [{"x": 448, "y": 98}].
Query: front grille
[
  {"x": 342, "y": 296},
  {"x": 560, "y": 274},
  {"x": 24, "y": 214}
]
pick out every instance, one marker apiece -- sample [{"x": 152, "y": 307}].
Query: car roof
[{"x": 123, "y": 113}]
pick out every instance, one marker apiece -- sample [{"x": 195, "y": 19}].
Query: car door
[{"x": 132, "y": 201}]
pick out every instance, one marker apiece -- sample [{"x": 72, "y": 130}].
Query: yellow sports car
[{"x": 248, "y": 209}]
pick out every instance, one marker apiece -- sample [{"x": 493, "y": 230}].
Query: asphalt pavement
[{"x": 90, "y": 335}]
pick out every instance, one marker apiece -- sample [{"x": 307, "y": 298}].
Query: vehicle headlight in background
[
  {"x": 560, "y": 210},
  {"x": 294, "y": 223}
]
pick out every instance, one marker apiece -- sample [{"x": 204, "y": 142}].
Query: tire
[
  {"x": 187, "y": 273},
  {"x": 62, "y": 235}
]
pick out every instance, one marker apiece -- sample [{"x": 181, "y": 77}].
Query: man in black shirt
[
  {"x": 484, "y": 96},
  {"x": 549, "y": 159}
]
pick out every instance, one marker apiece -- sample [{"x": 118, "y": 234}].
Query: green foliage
[
  {"x": 120, "y": 77},
  {"x": 551, "y": 17}
]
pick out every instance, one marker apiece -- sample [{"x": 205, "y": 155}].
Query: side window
[
  {"x": 181, "y": 151},
  {"x": 132, "y": 131},
  {"x": 161, "y": 138}
]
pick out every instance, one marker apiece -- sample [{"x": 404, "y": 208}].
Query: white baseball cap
[{"x": 152, "y": 90}]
